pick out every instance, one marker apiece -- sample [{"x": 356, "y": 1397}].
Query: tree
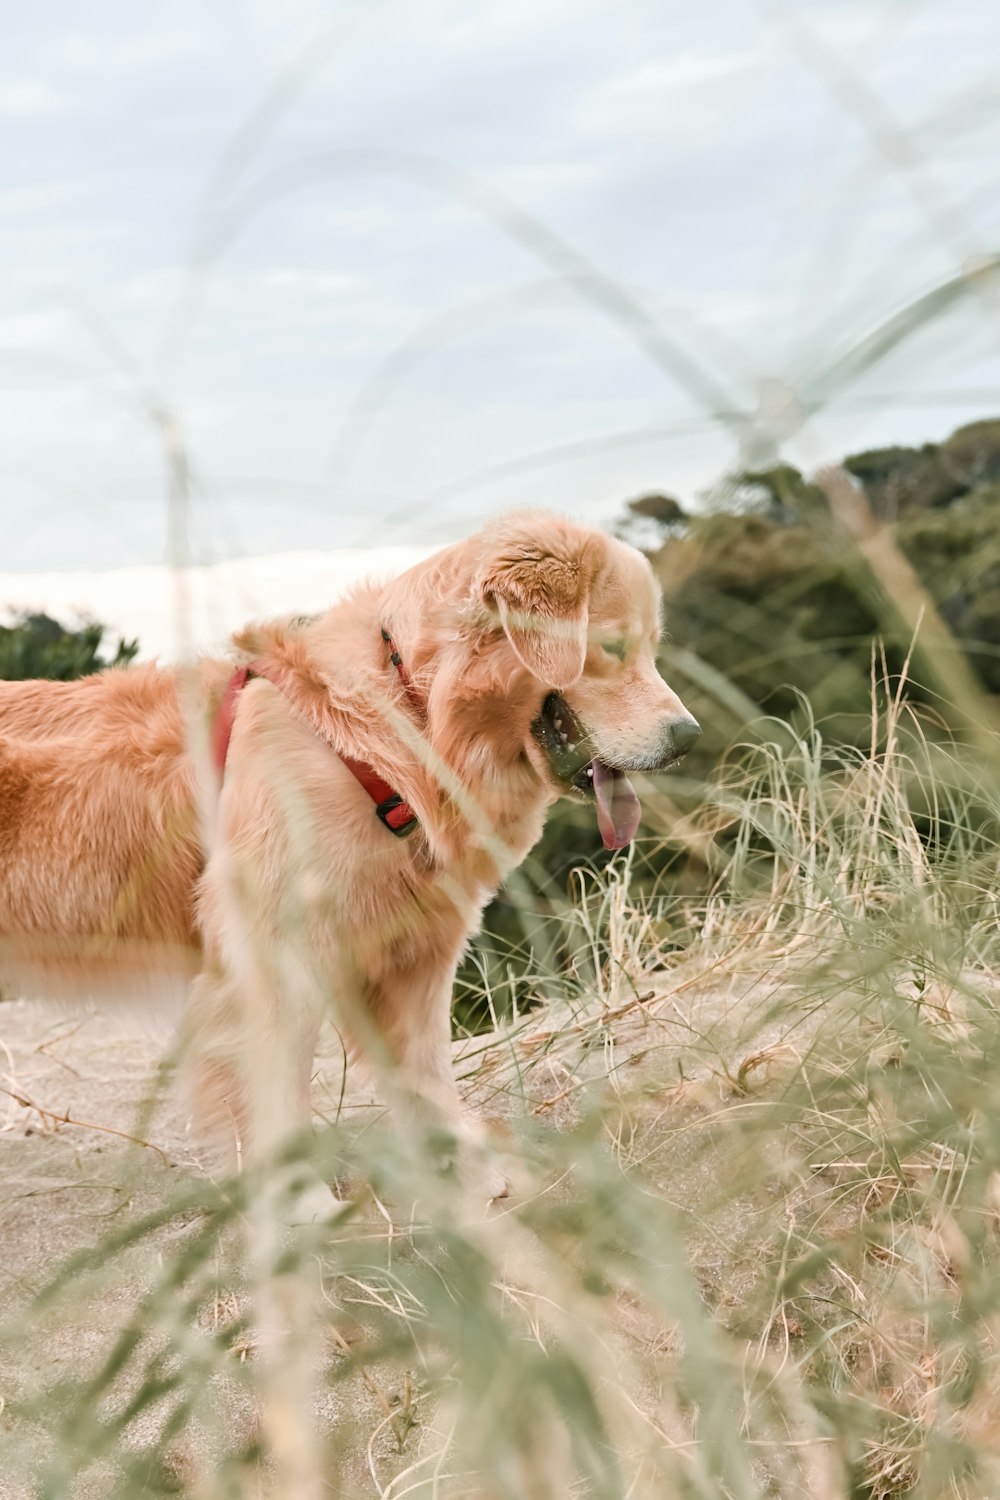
[
  {"x": 781, "y": 493},
  {"x": 35, "y": 645},
  {"x": 770, "y": 592},
  {"x": 651, "y": 520}
]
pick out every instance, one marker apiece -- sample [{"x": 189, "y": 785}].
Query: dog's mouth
[{"x": 564, "y": 739}]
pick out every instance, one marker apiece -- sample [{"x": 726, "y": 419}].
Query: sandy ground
[
  {"x": 93, "y": 1135},
  {"x": 77, "y": 1097}
]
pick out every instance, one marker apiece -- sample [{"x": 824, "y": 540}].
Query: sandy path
[{"x": 77, "y": 1089}]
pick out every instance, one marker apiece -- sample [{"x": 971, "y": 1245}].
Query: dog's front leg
[
  {"x": 412, "y": 1011},
  {"x": 249, "y": 1062}
]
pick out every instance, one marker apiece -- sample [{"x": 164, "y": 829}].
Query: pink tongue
[{"x": 618, "y": 808}]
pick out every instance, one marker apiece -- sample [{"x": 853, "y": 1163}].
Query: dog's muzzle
[{"x": 570, "y": 753}]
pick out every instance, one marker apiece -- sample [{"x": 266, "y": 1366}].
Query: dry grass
[{"x": 752, "y": 1244}]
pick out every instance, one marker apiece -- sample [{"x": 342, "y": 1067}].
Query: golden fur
[{"x": 287, "y": 899}]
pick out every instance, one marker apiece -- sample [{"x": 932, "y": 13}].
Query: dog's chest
[{"x": 411, "y": 902}]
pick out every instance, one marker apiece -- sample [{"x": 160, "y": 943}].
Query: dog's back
[{"x": 99, "y": 850}]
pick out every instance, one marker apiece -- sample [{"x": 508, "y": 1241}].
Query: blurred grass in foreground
[
  {"x": 752, "y": 1247},
  {"x": 750, "y": 1118}
]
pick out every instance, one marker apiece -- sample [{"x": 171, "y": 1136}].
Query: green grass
[{"x": 752, "y": 1247}]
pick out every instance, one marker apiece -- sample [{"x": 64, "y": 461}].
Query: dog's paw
[
  {"x": 494, "y": 1184},
  {"x": 482, "y": 1183},
  {"x": 308, "y": 1200},
  {"x": 478, "y": 1165}
]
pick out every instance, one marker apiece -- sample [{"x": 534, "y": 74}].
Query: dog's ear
[{"x": 541, "y": 599}]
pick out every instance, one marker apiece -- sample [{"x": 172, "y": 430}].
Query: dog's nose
[{"x": 684, "y": 733}]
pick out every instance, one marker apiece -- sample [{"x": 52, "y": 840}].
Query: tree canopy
[
  {"x": 768, "y": 587},
  {"x": 35, "y": 645}
]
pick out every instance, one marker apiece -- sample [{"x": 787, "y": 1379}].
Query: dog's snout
[{"x": 684, "y": 733}]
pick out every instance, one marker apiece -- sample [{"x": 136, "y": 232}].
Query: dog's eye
[{"x": 615, "y": 648}]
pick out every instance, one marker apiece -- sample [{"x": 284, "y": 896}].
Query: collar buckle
[{"x": 401, "y": 828}]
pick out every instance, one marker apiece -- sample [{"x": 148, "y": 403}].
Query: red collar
[
  {"x": 397, "y": 815},
  {"x": 404, "y": 676}
]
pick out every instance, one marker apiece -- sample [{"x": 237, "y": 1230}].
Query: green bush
[{"x": 37, "y": 646}]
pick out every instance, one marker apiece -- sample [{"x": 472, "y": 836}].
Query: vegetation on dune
[
  {"x": 34, "y": 645},
  {"x": 768, "y": 586},
  {"x": 753, "y": 1246},
  {"x": 745, "y": 1083},
  {"x": 772, "y": 609}
]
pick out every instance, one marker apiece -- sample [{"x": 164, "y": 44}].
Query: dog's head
[{"x": 581, "y": 613}]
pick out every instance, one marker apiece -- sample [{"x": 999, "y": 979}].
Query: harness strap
[{"x": 390, "y": 809}]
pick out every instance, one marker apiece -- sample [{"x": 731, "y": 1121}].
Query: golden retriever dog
[{"x": 378, "y": 771}]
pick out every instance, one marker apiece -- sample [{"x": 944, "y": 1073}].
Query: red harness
[{"x": 397, "y": 815}]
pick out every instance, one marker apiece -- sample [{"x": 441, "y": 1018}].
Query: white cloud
[
  {"x": 538, "y": 183},
  {"x": 684, "y": 150},
  {"x": 38, "y": 198},
  {"x": 661, "y": 99},
  {"x": 520, "y": 23},
  {"x": 30, "y": 99},
  {"x": 125, "y": 51},
  {"x": 212, "y": 601}
]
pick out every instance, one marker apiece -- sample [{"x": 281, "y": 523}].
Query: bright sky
[
  {"x": 177, "y": 614},
  {"x": 395, "y": 264}
]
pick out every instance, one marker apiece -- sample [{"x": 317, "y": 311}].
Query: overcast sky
[{"x": 395, "y": 264}]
